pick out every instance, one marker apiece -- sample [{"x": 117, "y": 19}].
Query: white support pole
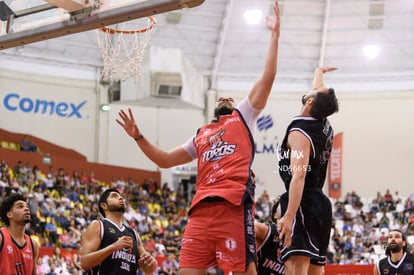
[
  {"x": 324, "y": 33},
  {"x": 222, "y": 38}
]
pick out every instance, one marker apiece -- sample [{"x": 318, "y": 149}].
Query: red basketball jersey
[
  {"x": 14, "y": 259},
  {"x": 225, "y": 150}
]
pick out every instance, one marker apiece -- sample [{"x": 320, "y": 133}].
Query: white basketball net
[{"x": 123, "y": 48}]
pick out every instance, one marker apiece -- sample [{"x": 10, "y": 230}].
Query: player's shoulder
[
  {"x": 2, "y": 238},
  {"x": 35, "y": 243},
  {"x": 410, "y": 257},
  {"x": 383, "y": 260},
  {"x": 95, "y": 225}
]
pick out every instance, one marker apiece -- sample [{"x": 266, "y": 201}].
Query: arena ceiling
[{"x": 224, "y": 47}]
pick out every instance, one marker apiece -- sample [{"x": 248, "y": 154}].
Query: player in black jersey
[
  {"x": 398, "y": 261},
  {"x": 110, "y": 247},
  {"x": 267, "y": 242},
  {"x": 303, "y": 158}
]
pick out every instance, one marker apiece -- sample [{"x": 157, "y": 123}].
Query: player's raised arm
[
  {"x": 318, "y": 76},
  {"x": 261, "y": 90},
  {"x": 164, "y": 159}
]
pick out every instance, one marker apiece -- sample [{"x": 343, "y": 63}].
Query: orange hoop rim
[{"x": 114, "y": 31}]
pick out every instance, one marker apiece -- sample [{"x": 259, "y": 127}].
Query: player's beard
[
  {"x": 26, "y": 221},
  {"x": 222, "y": 110},
  {"x": 115, "y": 208},
  {"x": 395, "y": 247}
]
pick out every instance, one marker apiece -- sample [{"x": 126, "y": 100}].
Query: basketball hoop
[{"x": 122, "y": 48}]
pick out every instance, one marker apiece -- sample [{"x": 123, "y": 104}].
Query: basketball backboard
[{"x": 28, "y": 21}]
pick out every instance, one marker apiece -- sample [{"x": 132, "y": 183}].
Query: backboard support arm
[{"x": 95, "y": 20}]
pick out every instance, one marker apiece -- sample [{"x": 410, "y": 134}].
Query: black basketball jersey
[
  {"x": 320, "y": 136},
  {"x": 123, "y": 261},
  {"x": 268, "y": 254},
  {"x": 404, "y": 267}
]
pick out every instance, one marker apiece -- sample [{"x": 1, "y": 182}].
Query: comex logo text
[{"x": 13, "y": 102}]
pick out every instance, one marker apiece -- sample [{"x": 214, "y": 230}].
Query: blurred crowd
[
  {"x": 63, "y": 203},
  {"x": 361, "y": 225}
]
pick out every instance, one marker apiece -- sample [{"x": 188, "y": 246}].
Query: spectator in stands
[
  {"x": 384, "y": 221},
  {"x": 345, "y": 260},
  {"x": 62, "y": 220},
  {"x": 3, "y": 165},
  {"x": 49, "y": 182},
  {"x": 159, "y": 246},
  {"x": 27, "y": 170},
  {"x": 143, "y": 227},
  {"x": 168, "y": 267},
  {"x": 40, "y": 269},
  {"x": 374, "y": 206},
  {"x": 75, "y": 180},
  {"x": 26, "y": 144},
  {"x": 348, "y": 225},
  {"x": 410, "y": 225},
  {"x": 395, "y": 224},
  {"x": 358, "y": 227},
  {"x": 51, "y": 230},
  {"x": 60, "y": 181},
  {"x": 38, "y": 193},
  {"x": 4, "y": 182},
  {"x": 34, "y": 207},
  {"x": 33, "y": 146},
  {"x": 18, "y": 170},
  {"x": 59, "y": 261},
  {"x": 76, "y": 260},
  {"x": 388, "y": 197},
  {"x": 383, "y": 239},
  {"x": 348, "y": 247},
  {"x": 358, "y": 249}
]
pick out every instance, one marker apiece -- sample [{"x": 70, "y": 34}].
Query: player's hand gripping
[
  {"x": 128, "y": 123},
  {"x": 123, "y": 242},
  {"x": 146, "y": 259},
  {"x": 284, "y": 226}
]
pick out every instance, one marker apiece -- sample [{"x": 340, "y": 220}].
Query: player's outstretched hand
[
  {"x": 128, "y": 123},
  {"x": 274, "y": 22},
  {"x": 326, "y": 69}
]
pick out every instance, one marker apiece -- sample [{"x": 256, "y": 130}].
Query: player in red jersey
[
  {"x": 220, "y": 230},
  {"x": 18, "y": 252}
]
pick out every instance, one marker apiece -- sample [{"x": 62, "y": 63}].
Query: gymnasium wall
[
  {"x": 65, "y": 113},
  {"x": 377, "y": 128}
]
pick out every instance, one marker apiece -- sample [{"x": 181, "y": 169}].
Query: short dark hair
[
  {"x": 103, "y": 199},
  {"x": 7, "y": 205},
  {"x": 276, "y": 203},
  {"x": 325, "y": 104}
]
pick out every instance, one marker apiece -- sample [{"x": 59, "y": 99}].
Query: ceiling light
[
  {"x": 105, "y": 107},
  {"x": 371, "y": 51},
  {"x": 253, "y": 16}
]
